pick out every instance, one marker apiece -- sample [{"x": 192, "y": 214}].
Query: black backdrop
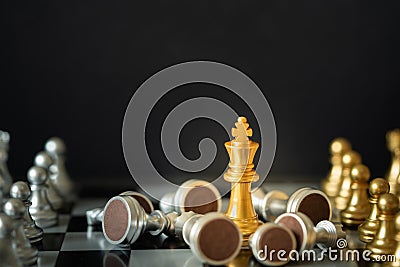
[{"x": 327, "y": 68}]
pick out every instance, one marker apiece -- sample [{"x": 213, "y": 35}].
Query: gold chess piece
[
  {"x": 349, "y": 160},
  {"x": 393, "y": 145},
  {"x": 358, "y": 207},
  {"x": 331, "y": 184},
  {"x": 241, "y": 174},
  {"x": 368, "y": 228},
  {"x": 396, "y": 263},
  {"x": 384, "y": 242}
]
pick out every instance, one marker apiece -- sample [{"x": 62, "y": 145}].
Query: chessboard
[{"x": 73, "y": 243}]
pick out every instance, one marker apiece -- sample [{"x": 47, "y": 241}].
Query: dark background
[{"x": 327, "y": 68}]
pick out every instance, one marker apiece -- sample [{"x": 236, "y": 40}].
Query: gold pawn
[
  {"x": 396, "y": 263},
  {"x": 367, "y": 229},
  {"x": 349, "y": 160},
  {"x": 358, "y": 207},
  {"x": 241, "y": 173},
  {"x": 384, "y": 242},
  {"x": 393, "y": 145},
  {"x": 331, "y": 184}
]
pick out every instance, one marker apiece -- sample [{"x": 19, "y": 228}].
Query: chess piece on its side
[
  {"x": 272, "y": 237},
  {"x": 16, "y": 210},
  {"x": 60, "y": 178},
  {"x": 393, "y": 145},
  {"x": 8, "y": 249},
  {"x": 368, "y": 228},
  {"x": 384, "y": 242},
  {"x": 95, "y": 216},
  {"x": 5, "y": 175},
  {"x": 314, "y": 203},
  {"x": 241, "y": 174},
  {"x": 194, "y": 195},
  {"x": 20, "y": 190},
  {"x": 349, "y": 160},
  {"x": 325, "y": 234},
  {"x": 358, "y": 207},
  {"x": 41, "y": 210},
  {"x": 213, "y": 238},
  {"x": 331, "y": 184},
  {"x": 44, "y": 161}
]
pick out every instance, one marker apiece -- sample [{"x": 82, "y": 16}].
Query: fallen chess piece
[
  {"x": 314, "y": 203},
  {"x": 16, "y": 210},
  {"x": 325, "y": 234},
  {"x": 193, "y": 195},
  {"x": 212, "y": 237},
  {"x": 95, "y": 216},
  {"x": 368, "y": 228},
  {"x": 272, "y": 237},
  {"x": 41, "y": 210},
  {"x": 20, "y": 190}
]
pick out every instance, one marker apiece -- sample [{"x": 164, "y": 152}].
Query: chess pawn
[
  {"x": 44, "y": 161},
  {"x": 272, "y": 237},
  {"x": 396, "y": 263},
  {"x": 241, "y": 174},
  {"x": 393, "y": 145},
  {"x": 212, "y": 237},
  {"x": 16, "y": 210},
  {"x": 358, "y": 207},
  {"x": 349, "y": 160},
  {"x": 193, "y": 195},
  {"x": 331, "y": 184},
  {"x": 4, "y": 173},
  {"x": 8, "y": 249},
  {"x": 95, "y": 216},
  {"x": 325, "y": 234},
  {"x": 41, "y": 209},
  {"x": 384, "y": 242},
  {"x": 368, "y": 228},
  {"x": 20, "y": 190},
  {"x": 61, "y": 180},
  {"x": 314, "y": 203}
]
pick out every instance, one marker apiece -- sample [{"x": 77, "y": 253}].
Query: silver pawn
[
  {"x": 16, "y": 210},
  {"x": 194, "y": 195},
  {"x": 41, "y": 209},
  {"x": 325, "y": 234},
  {"x": 43, "y": 160},
  {"x": 314, "y": 203},
  {"x": 8, "y": 249},
  {"x": 4, "y": 173},
  {"x": 55, "y": 147},
  {"x": 21, "y": 191}
]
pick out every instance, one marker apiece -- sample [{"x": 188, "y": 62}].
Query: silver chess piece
[
  {"x": 213, "y": 238},
  {"x": 8, "y": 248},
  {"x": 43, "y": 160},
  {"x": 193, "y": 195},
  {"x": 314, "y": 203},
  {"x": 55, "y": 147},
  {"x": 4, "y": 173},
  {"x": 325, "y": 234},
  {"x": 16, "y": 210},
  {"x": 95, "y": 216},
  {"x": 41, "y": 209},
  {"x": 20, "y": 190},
  {"x": 272, "y": 236}
]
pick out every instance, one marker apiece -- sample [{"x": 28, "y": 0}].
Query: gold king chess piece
[
  {"x": 393, "y": 145},
  {"x": 241, "y": 174},
  {"x": 331, "y": 184}
]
